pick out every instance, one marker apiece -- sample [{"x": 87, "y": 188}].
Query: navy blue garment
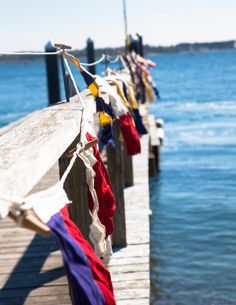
[
  {"x": 102, "y": 106},
  {"x": 88, "y": 78},
  {"x": 107, "y": 136},
  {"x": 139, "y": 123}
]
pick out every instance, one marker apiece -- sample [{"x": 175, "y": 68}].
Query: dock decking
[{"x": 31, "y": 268}]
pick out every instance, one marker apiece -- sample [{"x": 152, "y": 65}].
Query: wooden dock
[{"x": 31, "y": 268}]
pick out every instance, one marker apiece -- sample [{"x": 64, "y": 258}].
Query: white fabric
[
  {"x": 97, "y": 230},
  {"x": 48, "y": 202},
  {"x": 5, "y": 206},
  {"x": 161, "y": 133},
  {"x": 97, "y": 233}
]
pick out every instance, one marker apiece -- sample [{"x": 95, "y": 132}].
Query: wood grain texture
[
  {"x": 30, "y": 149},
  {"x": 116, "y": 173},
  {"x": 31, "y": 268}
]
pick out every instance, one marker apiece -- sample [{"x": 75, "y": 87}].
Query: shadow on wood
[{"x": 27, "y": 275}]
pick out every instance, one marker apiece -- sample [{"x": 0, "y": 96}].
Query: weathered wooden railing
[{"x": 31, "y": 146}]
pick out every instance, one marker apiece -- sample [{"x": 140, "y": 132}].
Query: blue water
[{"x": 193, "y": 227}]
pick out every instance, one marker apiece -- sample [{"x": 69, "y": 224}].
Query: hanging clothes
[
  {"x": 125, "y": 121},
  {"x": 89, "y": 280},
  {"x": 130, "y": 135},
  {"x": 127, "y": 94},
  {"x": 105, "y": 196}
]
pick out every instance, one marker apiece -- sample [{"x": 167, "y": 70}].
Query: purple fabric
[{"x": 85, "y": 290}]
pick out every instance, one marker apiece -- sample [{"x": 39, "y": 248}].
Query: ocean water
[
  {"x": 193, "y": 226},
  {"x": 193, "y": 199}
]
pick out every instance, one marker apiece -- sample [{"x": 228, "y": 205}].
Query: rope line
[
  {"x": 51, "y": 53},
  {"x": 74, "y": 82},
  {"x": 94, "y": 63},
  {"x": 113, "y": 61},
  {"x": 30, "y": 53}
]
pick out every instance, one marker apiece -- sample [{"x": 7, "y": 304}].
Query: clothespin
[
  {"x": 86, "y": 147},
  {"x": 27, "y": 219},
  {"x": 68, "y": 56},
  {"x": 62, "y": 46}
]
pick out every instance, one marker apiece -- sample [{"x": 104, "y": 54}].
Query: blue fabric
[
  {"x": 85, "y": 290},
  {"x": 125, "y": 89},
  {"x": 139, "y": 123},
  {"x": 107, "y": 136},
  {"x": 102, "y": 106},
  {"x": 89, "y": 79},
  {"x": 156, "y": 92}
]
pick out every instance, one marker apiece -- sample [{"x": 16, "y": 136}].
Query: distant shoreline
[{"x": 179, "y": 48}]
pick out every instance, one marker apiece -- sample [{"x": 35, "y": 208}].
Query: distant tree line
[{"x": 182, "y": 47}]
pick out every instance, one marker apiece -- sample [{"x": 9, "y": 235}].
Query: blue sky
[{"x": 29, "y": 24}]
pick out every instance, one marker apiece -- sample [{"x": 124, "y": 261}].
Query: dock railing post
[
  {"x": 77, "y": 191},
  {"x": 115, "y": 171},
  {"x": 91, "y": 55},
  {"x": 140, "y": 45},
  {"x": 52, "y": 71},
  {"x": 128, "y": 168}
]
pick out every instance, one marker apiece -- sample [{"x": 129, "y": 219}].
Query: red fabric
[
  {"x": 102, "y": 185},
  {"x": 146, "y": 62},
  {"x": 100, "y": 274},
  {"x": 130, "y": 134}
]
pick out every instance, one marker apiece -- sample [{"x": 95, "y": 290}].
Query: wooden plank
[
  {"x": 128, "y": 168},
  {"x": 29, "y": 150},
  {"x": 35, "y": 265},
  {"x": 62, "y": 299},
  {"x": 77, "y": 191},
  {"x": 137, "y": 252},
  {"x": 116, "y": 174}
]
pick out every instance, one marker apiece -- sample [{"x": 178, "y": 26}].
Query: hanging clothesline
[
  {"x": 114, "y": 61},
  {"x": 94, "y": 63},
  {"x": 30, "y": 53},
  {"x": 101, "y": 59}
]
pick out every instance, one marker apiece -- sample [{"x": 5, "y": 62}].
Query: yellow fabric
[
  {"x": 74, "y": 61},
  {"x": 148, "y": 89},
  {"x": 104, "y": 119},
  {"x": 94, "y": 89},
  {"x": 132, "y": 97},
  {"x": 121, "y": 93}
]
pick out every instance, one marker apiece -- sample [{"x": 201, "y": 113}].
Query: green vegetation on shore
[{"x": 182, "y": 47}]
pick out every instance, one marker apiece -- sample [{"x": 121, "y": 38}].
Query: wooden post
[
  {"x": 152, "y": 169},
  {"x": 52, "y": 75},
  {"x": 63, "y": 70},
  {"x": 133, "y": 46},
  {"x": 140, "y": 45},
  {"x": 77, "y": 191},
  {"x": 90, "y": 55},
  {"x": 115, "y": 170},
  {"x": 70, "y": 86},
  {"x": 128, "y": 168},
  {"x": 156, "y": 152}
]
